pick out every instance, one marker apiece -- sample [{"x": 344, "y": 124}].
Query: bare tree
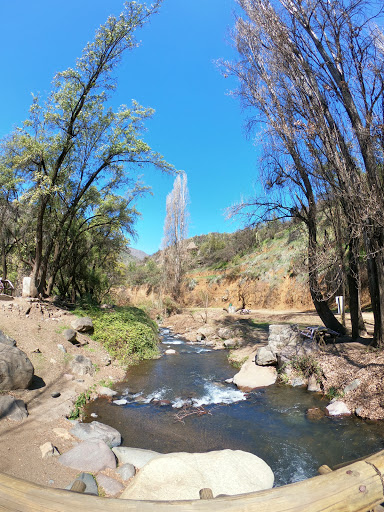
[
  {"x": 175, "y": 233},
  {"x": 313, "y": 70}
]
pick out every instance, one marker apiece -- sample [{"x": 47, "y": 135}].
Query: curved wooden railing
[{"x": 356, "y": 487}]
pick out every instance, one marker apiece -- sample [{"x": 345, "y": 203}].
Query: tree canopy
[{"x": 73, "y": 164}]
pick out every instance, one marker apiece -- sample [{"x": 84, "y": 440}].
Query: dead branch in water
[{"x": 188, "y": 410}]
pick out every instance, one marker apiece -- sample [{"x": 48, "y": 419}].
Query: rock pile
[{"x": 174, "y": 476}]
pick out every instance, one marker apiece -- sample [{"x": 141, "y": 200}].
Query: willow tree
[
  {"x": 175, "y": 233},
  {"x": 74, "y": 151}
]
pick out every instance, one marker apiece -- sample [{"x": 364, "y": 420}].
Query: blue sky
[{"x": 197, "y": 126}]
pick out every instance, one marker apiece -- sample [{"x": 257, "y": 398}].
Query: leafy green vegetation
[
  {"x": 334, "y": 393},
  {"x": 306, "y": 366},
  {"x": 80, "y": 403},
  {"x": 127, "y": 333}
]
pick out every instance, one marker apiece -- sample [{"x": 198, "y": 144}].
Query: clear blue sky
[{"x": 197, "y": 126}]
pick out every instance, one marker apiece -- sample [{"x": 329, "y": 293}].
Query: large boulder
[
  {"x": 70, "y": 335},
  {"x": 283, "y": 335},
  {"x": 97, "y": 431},
  {"x": 7, "y": 340},
  {"x": 180, "y": 476},
  {"x": 265, "y": 357},
  {"x": 16, "y": 370},
  {"x": 138, "y": 457},
  {"x": 252, "y": 376},
  {"x": 12, "y": 409},
  {"x": 92, "y": 456},
  {"x": 290, "y": 352},
  {"x": 83, "y": 324}
]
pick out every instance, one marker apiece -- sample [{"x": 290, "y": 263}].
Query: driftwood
[{"x": 358, "y": 487}]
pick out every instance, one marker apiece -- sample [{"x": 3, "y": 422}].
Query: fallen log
[{"x": 358, "y": 487}]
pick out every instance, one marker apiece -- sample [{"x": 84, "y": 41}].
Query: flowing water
[{"x": 181, "y": 403}]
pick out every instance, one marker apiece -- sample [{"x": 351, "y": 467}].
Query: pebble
[
  {"x": 55, "y": 394},
  {"x": 94, "y": 415}
]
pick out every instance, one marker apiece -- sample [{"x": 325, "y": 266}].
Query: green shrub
[
  {"x": 78, "y": 406},
  {"x": 127, "y": 333}
]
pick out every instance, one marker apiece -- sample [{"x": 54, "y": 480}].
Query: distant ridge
[{"x": 136, "y": 254}]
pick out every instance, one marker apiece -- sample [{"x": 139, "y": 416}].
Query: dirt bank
[{"x": 38, "y": 333}]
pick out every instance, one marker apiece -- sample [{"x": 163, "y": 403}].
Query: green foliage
[
  {"x": 334, "y": 393},
  {"x": 143, "y": 273},
  {"x": 170, "y": 306},
  {"x": 69, "y": 166},
  {"x": 80, "y": 403},
  {"x": 127, "y": 333},
  {"x": 306, "y": 366},
  {"x": 236, "y": 363}
]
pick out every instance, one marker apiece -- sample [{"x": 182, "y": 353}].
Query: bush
[{"x": 127, "y": 333}]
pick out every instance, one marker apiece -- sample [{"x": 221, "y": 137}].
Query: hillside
[{"x": 265, "y": 267}]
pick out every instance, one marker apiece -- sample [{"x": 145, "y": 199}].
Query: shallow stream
[{"x": 160, "y": 401}]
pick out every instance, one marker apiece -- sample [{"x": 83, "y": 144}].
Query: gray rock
[
  {"x": 289, "y": 352},
  {"x": 104, "y": 391},
  {"x": 90, "y": 456},
  {"x": 313, "y": 384},
  {"x": 16, "y": 370},
  {"x": 205, "y": 332},
  {"x": 337, "y": 408},
  {"x": 283, "y": 335},
  {"x": 170, "y": 351},
  {"x": 7, "y": 340},
  {"x": 252, "y": 376},
  {"x": 351, "y": 386},
  {"x": 97, "y": 431},
  {"x": 121, "y": 401},
  {"x": 70, "y": 335},
  {"x": 228, "y": 332},
  {"x": 230, "y": 343},
  {"x": 90, "y": 484},
  {"x": 62, "y": 348},
  {"x": 12, "y": 409},
  {"x": 111, "y": 486},
  {"x": 135, "y": 456},
  {"x": 84, "y": 324},
  {"x": 180, "y": 476},
  {"x": 82, "y": 365},
  {"x": 265, "y": 357},
  {"x": 126, "y": 471},
  {"x": 298, "y": 381}
]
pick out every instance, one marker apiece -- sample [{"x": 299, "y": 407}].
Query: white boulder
[
  {"x": 180, "y": 476},
  {"x": 252, "y": 376}
]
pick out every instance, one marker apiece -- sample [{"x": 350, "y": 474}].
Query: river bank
[{"x": 38, "y": 332}]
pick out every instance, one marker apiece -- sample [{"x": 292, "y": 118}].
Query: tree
[
  {"x": 314, "y": 73},
  {"x": 175, "y": 232},
  {"x": 74, "y": 151}
]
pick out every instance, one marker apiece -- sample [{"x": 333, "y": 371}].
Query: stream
[{"x": 181, "y": 402}]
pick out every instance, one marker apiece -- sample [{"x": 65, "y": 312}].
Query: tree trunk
[
  {"x": 353, "y": 277},
  {"x": 4, "y": 259},
  {"x": 321, "y": 306}
]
